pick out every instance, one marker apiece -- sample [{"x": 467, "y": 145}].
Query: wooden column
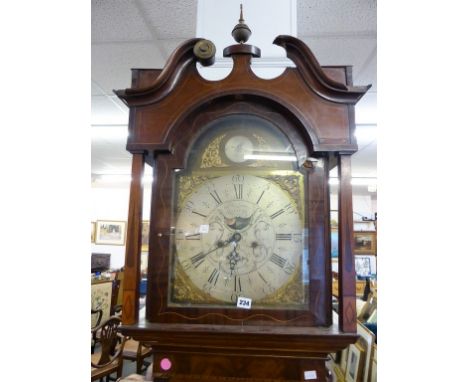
[
  {"x": 131, "y": 282},
  {"x": 347, "y": 276},
  {"x": 319, "y": 242}
]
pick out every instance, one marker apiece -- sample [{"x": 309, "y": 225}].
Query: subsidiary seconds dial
[{"x": 239, "y": 235}]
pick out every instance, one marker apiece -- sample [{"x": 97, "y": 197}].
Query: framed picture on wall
[
  {"x": 93, "y": 232},
  {"x": 110, "y": 232},
  {"x": 365, "y": 242},
  {"x": 363, "y": 266},
  {"x": 144, "y": 235}
]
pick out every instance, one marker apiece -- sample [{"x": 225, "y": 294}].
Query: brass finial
[{"x": 241, "y": 31}]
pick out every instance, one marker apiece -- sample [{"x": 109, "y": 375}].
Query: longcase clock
[{"x": 239, "y": 274}]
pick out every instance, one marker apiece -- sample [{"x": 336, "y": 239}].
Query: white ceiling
[{"x": 143, "y": 33}]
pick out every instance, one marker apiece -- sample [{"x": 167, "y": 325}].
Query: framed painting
[
  {"x": 355, "y": 363},
  {"x": 366, "y": 341},
  {"x": 365, "y": 242},
  {"x": 144, "y": 235},
  {"x": 93, "y": 232},
  {"x": 373, "y": 370},
  {"x": 101, "y": 298},
  {"x": 110, "y": 232},
  {"x": 339, "y": 376},
  {"x": 362, "y": 265},
  {"x": 344, "y": 359}
]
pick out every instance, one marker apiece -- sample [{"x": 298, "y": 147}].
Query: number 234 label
[{"x": 244, "y": 302}]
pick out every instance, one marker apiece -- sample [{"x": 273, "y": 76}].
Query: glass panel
[{"x": 239, "y": 219}]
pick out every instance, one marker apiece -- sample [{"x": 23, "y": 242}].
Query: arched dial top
[{"x": 239, "y": 219}]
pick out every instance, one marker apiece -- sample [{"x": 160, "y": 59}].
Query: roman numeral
[
  {"x": 213, "y": 279},
  {"x": 198, "y": 213},
  {"x": 238, "y": 189},
  {"x": 277, "y": 213},
  {"x": 283, "y": 236},
  {"x": 237, "y": 284},
  {"x": 198, "y": 259},
  {"x": 278, "y": 260},
  {"x": 261, "y": 195},
  {"x": 216, "y": 197}
]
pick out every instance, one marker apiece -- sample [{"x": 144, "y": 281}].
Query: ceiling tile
[
  {"x": 117, "y": 20},
  {"x": 335, "y": 17},
  {"x": 95, "y": 89},
  {"x": 171, "y": 19},
  {"x": 366, "y": 108},
  {"x": 349, "y": 51},
  {"x": 111, "y": 63},
  {"x": 367, "y": 73},
  {"x": 108, "y": 111}
]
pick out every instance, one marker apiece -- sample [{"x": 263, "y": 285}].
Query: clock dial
[
  {"x": 237, "y": 148},
  {"x": 239, "y": 235}
]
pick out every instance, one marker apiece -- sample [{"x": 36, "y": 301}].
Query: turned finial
[{"x": 241, "y": 31}]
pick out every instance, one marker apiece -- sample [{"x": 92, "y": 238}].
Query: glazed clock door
[{"x": 238, "y": 221}]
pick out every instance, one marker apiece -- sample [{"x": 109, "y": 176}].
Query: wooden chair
[
  {"x": 109, "y": 360},
  {"x": 115, "y": 307},
  {"x": 137, "y": 351},
  {"x": 95, "y": 324}
]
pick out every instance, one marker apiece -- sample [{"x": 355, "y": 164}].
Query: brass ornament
[
  {"x": 184, "y": 291},
  {"x": 211, "y": 156},
  {"x": 205, "y": 51},
  {"x": 241, "y": 31}
]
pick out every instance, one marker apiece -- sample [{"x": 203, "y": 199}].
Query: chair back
[
  {"x": 96, "y": 317},
  {"x": 112, "y": 342}
]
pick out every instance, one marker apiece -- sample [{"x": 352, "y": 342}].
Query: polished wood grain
[
  {"x": 347, "y": 275},
  {"x": 324, "y": 111},
  {"x": 319, "y": 243},
  {"x": 131, "y": 293}
]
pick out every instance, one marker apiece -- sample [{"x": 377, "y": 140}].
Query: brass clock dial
[
  {"x": 239, "y": 221},
  {"x": 239, "y": 235}
]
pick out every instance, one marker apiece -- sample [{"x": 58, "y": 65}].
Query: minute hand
[{"x": 198, "y": 258}]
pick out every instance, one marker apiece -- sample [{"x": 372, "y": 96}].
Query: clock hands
[
  {"x": 221, "y": 244},
  {"x": 234, "y": 257}
]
